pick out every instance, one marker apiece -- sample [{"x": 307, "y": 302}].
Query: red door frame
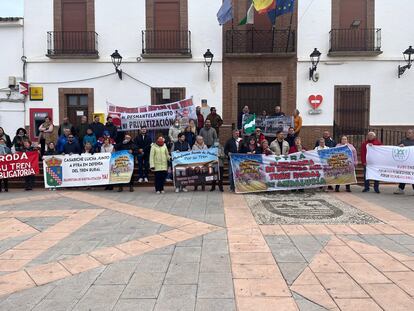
[{"x": 32, "y": 113}]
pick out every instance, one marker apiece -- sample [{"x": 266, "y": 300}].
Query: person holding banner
[
  {"x": 280, "y": 146},
  {"x": 251, "y": 146},
  {"x": 4, "y": 149},
  {"x": 159, "y": 158},
  {"x": 28, "y": 180},
  {"x": 298, "y": 147},
  {"x": 371, "y": 140},
  {"x": 406, "y": 142},
  {"x": 200, "y": 145},
  {"x": 278, "y": 112},
  {"x": 221, "y": 157},
  {"x": 128, "y": 145},
  {"x": 143, "y": 143},
  {"x": 181, "y": 146},
  {"x": 21, "y": 135},
  {"x": 6, "y": 138},
  {"x": 232, "y": 146},
  {"x": 265, "y": 149},
  {"x": 344, "y": 142}
]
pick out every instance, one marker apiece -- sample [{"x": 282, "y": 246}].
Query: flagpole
[{"x": 290, "y": 28}]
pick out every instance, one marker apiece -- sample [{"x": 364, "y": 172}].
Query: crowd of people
[{"x": 152, "y": 149}]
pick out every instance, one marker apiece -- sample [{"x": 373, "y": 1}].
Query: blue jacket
[
  {"x": 61, "y": 142},
  {"x": 89, "y": 139}
]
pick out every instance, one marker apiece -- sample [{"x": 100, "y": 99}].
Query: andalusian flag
[
  {"x": 250, "y": 124},
  {"x": 249, "y": 19},
  {"x": 263, "y": 6}
]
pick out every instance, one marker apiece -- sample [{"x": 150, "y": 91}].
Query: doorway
[
  {"x": 259, "y": 97},
  {"x": 77, "y": 108}
]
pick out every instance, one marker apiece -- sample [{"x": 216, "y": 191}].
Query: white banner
[{"x": 390, "y": 164}]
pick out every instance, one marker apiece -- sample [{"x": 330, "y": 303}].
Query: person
[
  {"x": 89, "y": 138},
  {"x": 290, "y": 137},
  {"x": 407, "y": 141},
  {"x": 208, "y": 133},
  {"x": 51, "y": 149},
  {"x": 200, "y": 145},
  {"x": 189, "y": 136},
  {"x": 107, "y": 146},
  {"x": 46, "y": 130},
  {"x": 321, "y": 145},
  {"x": 143, "y": 144},
  {"x": 264, "y": 114},
  {"x": 371, "y": 140},
  {"x": 259, "y": 136},
  {"x": 4, "y": 149},
  {"x": 328, "y": 140},
  {"x": 72, "y": 145},
  {"x": 159, "y": 158},
  {"x": 6, "y": 138},
  {"x": 232, "y": 146},
  {"x": 297, "y": 147},
  {"x": 111, "y": 128},
  {"x": 280, "y": 146},
  {"x": 250, "y": 147},
  {"x": 200, "y": 119},
  {"x": 28, "y": 180},
  {"x": 88, "y": 148},
  {"x": 297, "y": 119},
  {"x": 215, "y": 119},
  {"x": 100, "y": 140},
  {"x": 221, "y": 157},
  {"x": 181, "y": 146},
  {"x": 174, "y": 131},
  {"x": 278, "y": 112},
  {"x": 345, "y": 142},
  {"x": 192, "y": 126},
  {"x": 265, "y": 149},
  {"x": 97, "y": 127},
  {"x": 82, "y": 128},
  {"x": 127, "y": 144},
  {"x": 21, "y": 135},
  {"x": 245, "y": 113},
  {"x": 66, "y": 125},
  {"x": 62, "y": 140}
]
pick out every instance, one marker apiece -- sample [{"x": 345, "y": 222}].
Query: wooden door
[
  {"x": 352, "y": 37},
  {"x": 74, "y": 26},
  {"x": 77, "y": 106},
  {"x": 259, "y": 97},
  {"x": 167, "y": 35}
]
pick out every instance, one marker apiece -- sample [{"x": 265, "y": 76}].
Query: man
[
  {"x": 62, "y": 140},
  {"x": 278, "y": 112},
  {"x": 243, "y": 116},
  {"x": 72, "y": 146},
  {"x": 232, "y": 146},
  {"x": 208, "y": 133},
  {"x": 82, "y": 128},
  {"x": 181, "y": 146},
  {"x": 66, "y": 125},
  {"x": 406, "y": 142},
  {"x": 215, "y": 119},
  {"x": 291, "y": 136},
  {"x": 371, "y": 140},
  {"x": 280, "y": 146},
  {"x": 329, "y": 142},
  {"x": 97, "y": 127},
  {"x": 111, "y": 128},
  {"x": 126, "y": 144},
  {"x": 200, "y": 119},
  {"x": 143, "y": 143}
]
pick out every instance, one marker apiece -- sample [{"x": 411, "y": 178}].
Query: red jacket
[
  {"x": 294, "y": 149},
  {"x": 200, "y": 120},
  {"x": 375, "y": 142}
]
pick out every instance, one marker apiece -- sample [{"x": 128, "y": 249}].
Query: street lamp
[
  {"x": 315, "y": 57},
  {"x": 117, "y": 60},
  {"x": 408, "y": 57},
  {"x": 208, "y": 59}
]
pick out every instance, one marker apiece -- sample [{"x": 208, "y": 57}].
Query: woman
[
  {"x": 193, "y": 126},
  {"x": 28, "y": 180},
  {"x": 259, "y": 137},
  {"x": 89, "y": 138},
  {"x": 107, "y": 146},
  {"x": 190, "y": 136},
  {"x": 251, "y": 146},
  {"x": 297, "y": 147},
  {"x": 159, "y": 158},
  {"x": 51, "y": 149},
  {"x": 21, "y": 134},
  {"x": 6, "y": 138},
  {"x": 46, "y": 134},
  {"x": 4, "y": 150},
  {"x": 344, "y": 142},
  {"x": 322, "y": 144},
  {"x": 298, "y": 121},
  {"x": 200, "y": 145},
  {"x": 265, "y": 149},
  {"x": 88, "y": 148}
]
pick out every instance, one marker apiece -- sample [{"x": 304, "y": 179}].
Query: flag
[
  {"x": 24, "y": 88},
  {"x": 225, "y": 13},
  {"x": 282, "y": 7},
  {"x": 250, "y": 124},
  {"x": 249, "y": 19}
]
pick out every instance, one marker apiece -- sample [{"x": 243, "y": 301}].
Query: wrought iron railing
[
  {"x": 72, "y": 43},
  {"x": 166, "y": 42},
  {"x": 353, "y": 40},
  {"x": 252, "y": 41}
]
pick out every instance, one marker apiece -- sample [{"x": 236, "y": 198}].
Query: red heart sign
[{"x": 315, "y": 101}]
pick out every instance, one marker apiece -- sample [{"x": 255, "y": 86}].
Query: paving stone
[
  {"x": 217, "y": 235},
  {"x": 182, "y": 273},
  {"x": 27, "y": 299},
  {"x": 176, "y": 298},
  {"x": 117, "y": 273},
  {"x": 291, "y": 270},
  {"x": 135, "y": 305},
  {"x": 401, "y": 238},
  {"x": 307, "y": 305},
  {"x": 215, "y": 263},
  {"x": 144, "y": 285},
  {"x": 215, "y": 304},
  {"x": 41, "y": 223},
  {"x": 286, "y": 254},
  {"x": 278, "y": 240},
  {"x": 153, "y": 263},
  {"x": 192, "y": 242},
  {"x": 55, "y": 305},
  {"x": 385, "y": 243},
  {"x": 100, "y": 298},
  {"x": 215, "y": 247},
  {"x": 215, "y": 285},
  {"x": 186, "y": 254}
]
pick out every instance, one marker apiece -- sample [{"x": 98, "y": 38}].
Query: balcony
[
  {"x": 166, "y": 43},
  {"x": 253, "y": 42},
  {"x": 72, "y": 44},
  {"x": 355, "y": 42}
]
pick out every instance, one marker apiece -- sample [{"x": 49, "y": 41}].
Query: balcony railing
[
  {"x": 355, "y": 40},
  {"x": 253, "y": 41},
  {"x": 162, "y": 42},
  {"x": 72, "y": 43}
]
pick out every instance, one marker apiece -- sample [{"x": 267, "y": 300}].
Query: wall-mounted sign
[
  {"x": 24, "y": 88},
  {"x": 36, "y": 93},
  {"x": 315, "y": 101}
]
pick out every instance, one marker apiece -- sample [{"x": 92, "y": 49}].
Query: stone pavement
[{"x": 95, "y": 250}]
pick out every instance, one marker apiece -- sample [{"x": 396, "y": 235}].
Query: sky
[{"x": 11, "y": 8}]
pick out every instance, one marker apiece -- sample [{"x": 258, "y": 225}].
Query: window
[{"x": 161, "y": 96}]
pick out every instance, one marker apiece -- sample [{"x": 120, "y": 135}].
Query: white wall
[{"x": 391, "y": 98}]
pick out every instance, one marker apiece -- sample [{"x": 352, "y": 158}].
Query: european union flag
[{"x": 282, "y": 7}]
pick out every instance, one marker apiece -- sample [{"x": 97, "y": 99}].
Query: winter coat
[
  {"x": 294, "y": 149},
  {"x": 7, "y": 140},
  {"x": 72, "y": 148},
  {"x": 407, "y": 142},
  {"x": 375, "y": 142},
  {"x": 46, "y": 132},
  {"x": 159, "y": 157},
  {"x": 97, "y": 128},
  {"x": 90, "y": 139},
  {"x": 209, "y": 135},
  {"x": 50, "y": 152},
  {"x": 81, "y": 130},
  {"x": 128, "y": 146},
  {"x": 173, "y": 133},
  {"x": 4, "y": 149},
  {"x": 216, "y": 121},
  {"x": 62, "y": 142},
  {"x": 112, "y": 129},
  {"x": 329, "y": 142},
  {"x": 231, "y": 146},
  {"x": 143, "y": 142},
  {"x": 180, "y": 146},
  {"x": 190, "y": 137},
  {"x": 298, "y": 124},
  {"x": 274, "y": 146}
]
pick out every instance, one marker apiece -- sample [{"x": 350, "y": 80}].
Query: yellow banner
[{"x": 260, "y": 5}]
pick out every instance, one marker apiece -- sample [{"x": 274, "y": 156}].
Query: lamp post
[
  {"x": 117, "y": 60},
  {"x": 315, "y": 57},
  {"x": 408, "y": 57},
  {"x": 208, "y": 59}
]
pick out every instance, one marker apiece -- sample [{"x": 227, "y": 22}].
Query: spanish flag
[{"x": 263, "y": 6}]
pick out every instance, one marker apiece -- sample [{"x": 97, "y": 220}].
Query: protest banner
[
  {"x": 19, "y": 164},
  {"x": 153, "y": 116},
  {"x": 88, "y": 169},
  {"x": 309, "y": 169},
  {"x": 275, "y": 124},
  {"x": 196, "y": 167},
  {"x": 390, "y": 164}
]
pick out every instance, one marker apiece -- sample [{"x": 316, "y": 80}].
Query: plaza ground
[{"x": 96, "y": 250}]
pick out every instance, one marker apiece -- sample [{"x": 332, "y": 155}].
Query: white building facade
[
  {"x": 361, "y": 44},
  {"x": 68, "y": 45}
]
